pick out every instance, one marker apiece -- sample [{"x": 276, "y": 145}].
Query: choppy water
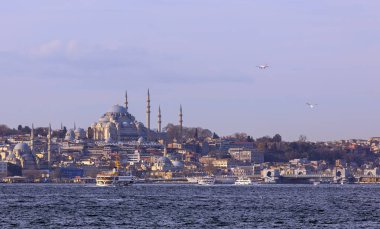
[{"x": 186, "y": 206}]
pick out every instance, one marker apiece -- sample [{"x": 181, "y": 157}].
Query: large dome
[
  {"x": 23, "y": 147},
  {"x": 117, "y": 109},
  {"x": 164, "y": 160}
]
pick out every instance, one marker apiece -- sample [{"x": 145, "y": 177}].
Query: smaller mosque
[{"x": 22, "y": 155}]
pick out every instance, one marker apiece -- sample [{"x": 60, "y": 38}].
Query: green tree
[{"x": 277, "y": 138}]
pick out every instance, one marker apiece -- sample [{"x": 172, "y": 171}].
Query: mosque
[
  {"x": 22, "y": 156},
  {"x": 117, "y": 124}
]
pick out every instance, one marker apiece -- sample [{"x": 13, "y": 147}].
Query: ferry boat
[
  {"x": 226, "y": 179},
  {"x": 207, "y": 180},
  {"x": 192, "y": 180},
  {"x": 114, "y": 178},
  {"x": 243, "y": 181}
]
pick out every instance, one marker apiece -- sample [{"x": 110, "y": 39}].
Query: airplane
[
  {"x": 312, "y": 106},
  {"x": 263, "y": 66}
]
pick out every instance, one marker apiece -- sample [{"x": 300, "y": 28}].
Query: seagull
[
  {"x": 312, "y": 106},
  {"x": 263, "y": 66}
]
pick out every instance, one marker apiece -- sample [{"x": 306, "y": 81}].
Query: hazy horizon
[{"x": 70, "y": 61}]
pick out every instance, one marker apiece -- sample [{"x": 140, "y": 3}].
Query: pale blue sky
[{"x": 70, "y": 60}]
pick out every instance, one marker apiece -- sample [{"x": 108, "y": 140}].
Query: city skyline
[{"x": 55, "y": 65}]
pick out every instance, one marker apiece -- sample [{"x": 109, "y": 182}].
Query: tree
[
  {"x": 41, "y": 131},
  {"x": 26, "y": 130},
  {"x": 19, "y": 128},
  {"x": 215, "y": 136},
  {"x": 277, "y": 138},
  {"x": 240, "y": 136},
  {"x": 302, "y": 138},
  {"x": 174, "y": 132},
  {"x": 5, "y": 130},
  {"x": 250, "y": 139}
]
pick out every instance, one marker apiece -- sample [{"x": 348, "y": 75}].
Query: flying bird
[
  {"x": 312, "y": 106},
  {"x": 263, "y": 66}
]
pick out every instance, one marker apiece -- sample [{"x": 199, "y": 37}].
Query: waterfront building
[
  {"x": 247, "y": 155},
  {"x": 133, "y": 157},
  {"x": 243, "y": 171},
  {"x": 8, "y": 169},
  {"x": 372, "y": 172},
  {"x": 162, "y": 164},
  {"x": 222, "y": 163},
  {"x": 227, "y": 144}
]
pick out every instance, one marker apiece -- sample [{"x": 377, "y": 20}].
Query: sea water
[{"x": 189, "y": 206}]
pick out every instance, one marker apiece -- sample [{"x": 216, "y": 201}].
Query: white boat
[
  {"x": 315, "y": 183},
  {"x": 192, "y": 180},
  {"x": 243, "y": 181},
  {"x": 114, "y": 178},
  {"x": 207, "y": 180},
  {"x": 225, "y": 179}
]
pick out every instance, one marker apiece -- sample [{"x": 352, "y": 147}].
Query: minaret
[
  {"x": 148, "y": 111},
  {"x": 159, "y": 119},
  {"x": 180, "y": 120},
  {"x": 126, "y": 100},
  {"x": 61, "y": 126},
  {"x": 75, "y": 126},
  {"x": 49, "y": 145},
  {"x": 32, "y": 139},
  {"x": 196, "y": 134}
]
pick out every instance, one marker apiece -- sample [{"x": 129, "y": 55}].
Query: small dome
[
  {"x": 109, "y": 140},
  {"x": 140, "y": 140},
  {"x": 127, "y": 124},
  {"x": 70, "y": 135},
  {"x": 117, "y": 109},
  {"x": 178, "y": 164},
  {"x": 79, "y": 130}
]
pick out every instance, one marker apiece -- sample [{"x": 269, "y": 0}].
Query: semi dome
[
  {"x": 11, "y": 157},
  {"x": 117, "y": 109},
  {"x": 104, "y": 119}
]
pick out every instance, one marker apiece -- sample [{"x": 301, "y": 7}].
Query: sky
[{"x": 71, "y": 60}]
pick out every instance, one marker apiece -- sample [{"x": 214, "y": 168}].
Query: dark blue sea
[{"x": 189, "y": 206}]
